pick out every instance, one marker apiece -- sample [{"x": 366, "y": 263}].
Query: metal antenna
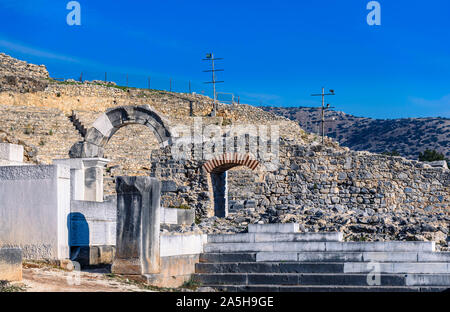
[
  {"x": 323, "y": 108},
  {"x": 210, "y": 57}
]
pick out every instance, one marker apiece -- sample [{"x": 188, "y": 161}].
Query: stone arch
[
  {"x": 227, "y": 161},
  {"x": 111, "y": 121},
  {"x": 217, "y": 169}
]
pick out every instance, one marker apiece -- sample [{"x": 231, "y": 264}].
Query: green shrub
[{"x": 431, "y": 155}]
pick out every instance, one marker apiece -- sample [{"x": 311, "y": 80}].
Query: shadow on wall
[{"x": 78, "y": 229}]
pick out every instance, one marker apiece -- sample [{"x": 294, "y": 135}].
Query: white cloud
[
  {"x": 24, "y": 49},
  {"x": 436, "y": 107},
  {"x": 442, "y": 102}
]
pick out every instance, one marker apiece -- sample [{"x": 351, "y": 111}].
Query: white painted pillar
[{"x": 86, "y": 177}]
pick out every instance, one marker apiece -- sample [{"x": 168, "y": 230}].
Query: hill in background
[{"x": 408, "y": 136}]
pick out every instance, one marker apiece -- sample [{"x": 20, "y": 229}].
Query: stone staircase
[
  {"x": 275, "y": 257},
  {"x": 77, "y": 124}
]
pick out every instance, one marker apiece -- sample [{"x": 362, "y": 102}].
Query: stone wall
[
  {"x": 367, "y": 196},
  {"x": 242, "y": 187},
  {"x": 45, "y": 133},
  {"x": 34, "y": 210}
]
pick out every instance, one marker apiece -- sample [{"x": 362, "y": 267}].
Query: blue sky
[{"x": 275, "y": 52}]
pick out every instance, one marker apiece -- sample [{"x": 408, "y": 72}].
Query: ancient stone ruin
[{"x": 148, "y": 182}]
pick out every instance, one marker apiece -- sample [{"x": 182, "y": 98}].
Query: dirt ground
[{"x": 47, "y": 278}]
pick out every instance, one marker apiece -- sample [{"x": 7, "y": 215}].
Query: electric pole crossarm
[
  {"x": 213, "y": 70},
  {"x": 323, "y": 108}
]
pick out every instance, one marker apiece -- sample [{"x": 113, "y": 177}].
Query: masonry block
[
  {"x": 138, "y": 226},
  {"x": 11, "y": 152},
  {"x": 35, "y": 210},
  {"x": 86, "y": 177},
  {"x": 273, "y": 228}
]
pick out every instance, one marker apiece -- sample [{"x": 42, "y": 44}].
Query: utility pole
[
  {"x": 323, "y": 108},
  {"x": 210, "y": 57}
]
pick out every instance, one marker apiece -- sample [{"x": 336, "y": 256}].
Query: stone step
[
  {"x": 326, "y": 257},
  {"x": 321, "y": 279},
  {"x": 324, "y": 267},
  {"x": 305, "y": 279},
  {"x": 275, "y": 237},
  {"x": 312, "y": 288},
  {"x": 354, "y": 256},
  {"x": 396, "y": 246},
  {"x": 398, "y": 267},
  {"x": 270, "y": 267},
  {"x": 227, "y": 257},
  {"x": 273, "y": 228},
  {"x": 428, "y": 280}
]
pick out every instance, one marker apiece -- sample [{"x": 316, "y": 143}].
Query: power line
[
  {"x": 323, "y": 108},
  {"x": 210, "y": 57}
]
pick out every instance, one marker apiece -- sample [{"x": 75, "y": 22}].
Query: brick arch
[
  {"x": 217, "y": 171},
  {"x": 227, "y": 161},
  {"x": 111, "y": 121}
]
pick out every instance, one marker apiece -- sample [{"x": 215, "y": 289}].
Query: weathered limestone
[
  {"x": 11, "y": 154},
  {"x": 176, "y": 245},
  {"x": 260, "y": 237},
  {"x": 111, "y": 121},
  {"x": 321, "y": 247},
  {"x": 93, "y": 223},
  {"x": 179, "y": 256},
  {"x": 86, "y": 177},
  {"x": 398, "y": 267},
  {"x": 138, "y": 226},
  {"x": 10, "y": 264},
  {"x": 34, "y": 210},
  {"x": 177, "y": 216},
  {"x": 273, "y": 228}
]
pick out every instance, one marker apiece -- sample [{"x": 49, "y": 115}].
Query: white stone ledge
[
  {"x": 175, "y": 245},
  {"x": 275, "y": 237},
  {"x": 273, "y": 228},
  {"x": 322, "y": 246}
]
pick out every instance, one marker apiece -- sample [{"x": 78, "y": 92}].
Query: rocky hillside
[
  {"x": 408, "y": 136},
  {"x": 20, "y": 76}
]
